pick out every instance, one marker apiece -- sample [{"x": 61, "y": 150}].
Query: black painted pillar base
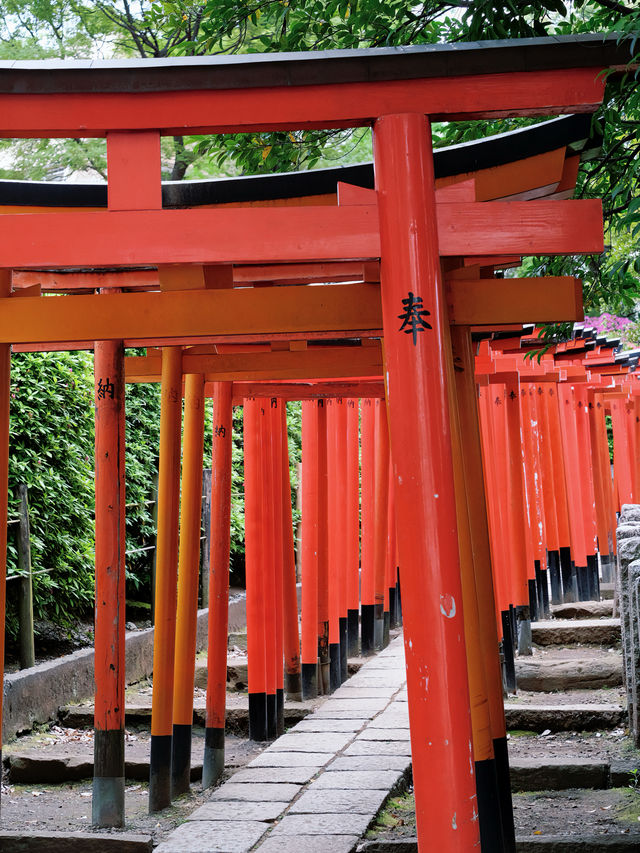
[
  {"x": 334, "y": 666},
  {"x": 258, "y": 716},
  {"x": 213, "y": 764},
  {"x": 293, "y": 686},
  {"x": 386, "y": 626},
  {"x": 606, "y": 567},
  {"x": 108, "y": 778},
  {"x": 501, "y": 754},
  {"x": 514, "y": 627},
  {"x": 569, "y": 590},
  {"x": 160, "y": 773},
  {"x": 524, "y": 631},
  {"x": 553, "y": 561},
  {"x": 533, "y": 600},
  {"x": 324, "y": 675},
  {"x": 280, "y": 711},
  {"x": 309, "y": 679},
  {"x": 544, "y": 590},
  {"x": 398, "y": 602},
  {"x": 507, "y": 650},
  {"x": 180, "y": 760},
  {"x": 593, "y": 577},
  {"x": 353, "y": 632},
  {"x": 393, "y": 610},
  {"x": 489, "y": 815},
  {"x": 367, "y": 621},
  {"x": 344, "y": 649},
  {"x": 272, "y": 717},
  {"x": 582, "y": 576},
  {"x": 378, "y": 626}
]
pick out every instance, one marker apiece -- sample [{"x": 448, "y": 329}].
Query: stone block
[
  {"x": 237, "y": 810},
  {"x": 331, "y": 801},
  {"x": 73, "y": 842},
  {"x": 386, "y": 733},
  {"x": 256, "y": 792},
  {"x": 383, "y": 780},
  {"x": 379, "y": 747},
  {"x": 213, "y": 836},
  {"x": 543, "y": 674},
  {"x": 321, "y": 824},
  {"x": 294, "y": 775},
  {"x": 290, "y": 759},
  {"x": 585, "y": 631},
  {"x": 309, "y": 844},
  {"x": 563, "y": 718},
  {"x": 313, "y": 724},
  {"x": 371, "y": 762},
  {"x": 557, "y": 774},
  {"x": 311, "y": 742}
]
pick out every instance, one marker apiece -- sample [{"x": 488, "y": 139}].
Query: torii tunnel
[{"x": 403, "y": 258}]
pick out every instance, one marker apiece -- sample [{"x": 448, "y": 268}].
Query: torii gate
[{"x": 399, "y": 92}]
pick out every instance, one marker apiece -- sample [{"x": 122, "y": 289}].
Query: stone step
[
  {"x": 563, "y": 718},
  {"x": 559, "y": 774},
  {"x": 31, "y": 767},
  {"x": 28, "y": 841},
  {"x": 607, "y": 590},
  {"x": 548, "y": 673},
  {"x": 590, "y": 632},
  {"x": 583, "y": 610},
  {"x": 138, "y": 715},
  {"x": 540, "y": 844}
]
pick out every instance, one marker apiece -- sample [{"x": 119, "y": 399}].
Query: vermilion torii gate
[{"x": 398, "y": 92}]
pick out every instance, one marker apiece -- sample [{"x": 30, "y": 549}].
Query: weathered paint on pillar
[
  {"x": 412, "y": 306},
  {"x": 5, "y": 376},
  {"x": 222, "y": 445},
  {"x": 108, "y": 778},
  {"x": 164, "y": 636},
  {"x": 309, "y": 550}
]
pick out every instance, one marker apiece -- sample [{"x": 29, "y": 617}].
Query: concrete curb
[
  {"x": 550, "y": 844},
  {"x": 74, "y": 842},
  {"x": 34, "y": 695}
]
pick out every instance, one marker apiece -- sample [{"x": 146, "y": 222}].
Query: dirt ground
[
  {"x": 559, "y": 813},
  {"x": 603, "y": 746},
  {"x": 67, "y": 807}
]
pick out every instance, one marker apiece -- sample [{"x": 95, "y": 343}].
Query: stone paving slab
[
  {"x": 311, "y": 741},
  {"x": 330, "y": 714},
  {"x": 236, "y": 810},
  {"x": 321, "y": 824},
  {"x": 295, "y": 775},
  {"x": 371, "y": 780},
  {"x": 313, "y": 724},
  {"x": 366, "y": 705},
  {"x": 310, "y": 844},
  {"x": 213, "y": 836},
  {"x": 384, "y": 734},
  {"x": 291, "y": 759},
  {"x": 349, "y": 691},
  {"x": 256, "y": 792},
  {"x": 375, "y": 747},
  {"x": 371, "y": 762},
  {"x": 317, "y": 800}
]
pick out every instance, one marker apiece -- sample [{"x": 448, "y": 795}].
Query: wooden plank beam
[
  {"x": 248, "y": 311},
  {"x": 552, "y": 92},
  {"x": 319, "y": 363},
  {"x": 513, "y": 300},
  {"x": 256, "y": 235},
  {"x": 304, "y": 390}
]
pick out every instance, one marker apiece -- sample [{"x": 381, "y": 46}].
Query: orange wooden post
[
  {"x": 569, "y": 591},
  {"x": 367, "y": 573},
  {"x": 479, "y": 530},
  {"x": 323, "y": 550},
  {"x": 267, "y": 563},
  {"x": 334, "y": 545},
  {"x": 166, "y": 579},
  {"x": 108, "y": 774},
  {"x": 604, "y": 486},
  {"x": 292, "y": 676},
  {"x": 412, "y": 308},
  {"x": 550, "y": 508},
  {"x": 256, "y": 660},
  {"x": 381, "y": 518},
  {"x": 587, "y": 493},
  {"x": 352, "y": 567},
  {"x": 5, "y": 371},
  {"x": 188, "y": 577},
  {"x": 309, "y": 550},
  {"x": 391, "y": 571},
  {"x": 341, "y": 529},
  {"x": 218, "y": 624},
  {"x": 275, "y": 436},
  {"x": 538, "y": 526}
]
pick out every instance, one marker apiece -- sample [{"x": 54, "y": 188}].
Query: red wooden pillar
[
  {"x": 381, "y": 518},
  {"x": 292, "y": 685},
  {"x": 560, "y": 489},
  {"x": 275, "y": 440},
  {"x": 166, "y": 579},
  {"x": 108, "y": 774},
  {"x": 5, "y": 365},
  {"x": 256, "y": 660},
  {"x": 391, "y": 570},
  {"x": 367, "y": 572},
  {"x": 309, "y": 550},
  {"x": 412, "y": 309},
  {"x": 267, "y": 563},
  {"x": 341, "y": 529},
  {"x": 323, "y": 548},
  {"x": 218, "y": 624},
  {"x": 334, "y": 545},
  {"x": 352, "y": 567},
  {"x": 188, "y": 577}
]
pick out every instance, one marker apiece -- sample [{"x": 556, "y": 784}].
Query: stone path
[{"x": 318, "y": 787}]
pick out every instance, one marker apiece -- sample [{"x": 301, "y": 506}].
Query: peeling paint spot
[
  {"x": 436, "y": 496},
  {"x": 454, "y": 825},
  {"x": 447, "y": 606}
]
